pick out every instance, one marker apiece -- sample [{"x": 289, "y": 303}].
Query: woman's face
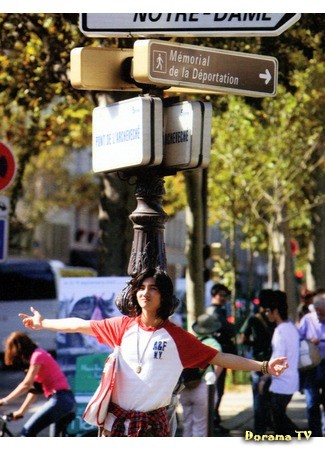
[{"x": 148, "y": 295}]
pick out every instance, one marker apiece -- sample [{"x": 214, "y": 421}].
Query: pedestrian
[
  {"x": 312, "y": 327},
  {"x": 226, "y": 336},
  {"x": 153, "y": 353},
  {"x": 306, "y": 302},
  {"x": 285, "y": 341},
  {"x": 44, "y": 375},
  {"x": 194, "y": 396},
  {"x": 256, "y": 333}
]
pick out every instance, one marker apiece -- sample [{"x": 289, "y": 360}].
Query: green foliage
[
  {"x": 265, "y": 152},
  {"x": 42, "y": 117},
  {"x": 175, "y": 199},
  {"x": 263, "y": 159}
]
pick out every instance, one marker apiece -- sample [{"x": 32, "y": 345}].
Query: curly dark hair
[
  {"x": 18, "y": 349},
  {"x": 129, "y": 304}
]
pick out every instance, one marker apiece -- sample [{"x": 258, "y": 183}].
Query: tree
[
  {"x": 44, "y": 119},
  {"x": 42, "y": 116},
  {"x": 269, "y": 170}
]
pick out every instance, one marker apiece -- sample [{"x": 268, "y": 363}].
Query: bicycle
[
  {"x": 4, "y": 430},
  {"x": 61, "y": 428}
]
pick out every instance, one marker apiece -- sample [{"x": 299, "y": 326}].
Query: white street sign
[
  {"x": 187, "y": 135},
  {"x": 182, "y": 135},
  {"x": 206, "y": 134},
  {"x": 185, "y": 24},
  {"x": 125, "y": 136}
]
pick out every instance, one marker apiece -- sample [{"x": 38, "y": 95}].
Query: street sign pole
[
  {"x": 155, "y": 66},
  {"x": 4, "y": 224},
  {"x": 188, "y": 66}
]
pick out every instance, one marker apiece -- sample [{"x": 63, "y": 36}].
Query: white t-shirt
[
  {"x": 285, "y": 342},
  {"x": 170, "y": 348}
]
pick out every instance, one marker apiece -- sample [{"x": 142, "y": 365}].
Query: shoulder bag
[
  {"x": 309, "y": 355},
  {"x": 96, "y": 410}
]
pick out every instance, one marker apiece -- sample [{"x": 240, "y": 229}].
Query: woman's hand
[
  {"x": 277, "y": 366},
  {"x": 33, "y": 322},
  {"x": 16, "y": 415},
  {"x": 2, "y": 402}
]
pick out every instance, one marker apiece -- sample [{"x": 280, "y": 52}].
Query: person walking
[
  {"x": 256, "y": 333},
  {"x": 305, "y": 304},
  {"x": 194, "y": 396},
  {"x": 285, "y": 341},
  {"x": 44, "y": 373},
  {"x": 226, "y": 337},
  {"x": 153, "y": 353},
  {"x": 312, "y": 327}
]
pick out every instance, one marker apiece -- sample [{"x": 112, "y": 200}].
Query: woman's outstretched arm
[{"x": 66, "y": 325}]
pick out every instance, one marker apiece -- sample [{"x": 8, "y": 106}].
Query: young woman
[
  {"x": 153, "y": 353},
  {"x": 44, "y": 370}
]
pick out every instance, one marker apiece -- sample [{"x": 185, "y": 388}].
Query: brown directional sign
[{"x": 171, "y": 64}]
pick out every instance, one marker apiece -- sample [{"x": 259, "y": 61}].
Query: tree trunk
[
  {"x": 270, "y": 257},
  {"x": 194, "y": 247},
  {"x": 286, "y": 266},
  {"x": 233, "y": 258},
  {"x": 315, "y": 272},
  {"x": 117, "y": 200}
]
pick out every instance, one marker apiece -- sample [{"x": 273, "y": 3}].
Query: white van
[
  {"x": 25, "y": 283},
  {"x": 32, "y": 282}
]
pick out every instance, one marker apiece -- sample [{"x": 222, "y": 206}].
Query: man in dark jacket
[
  {"x": 256, "y": 333},
  {"x": 226, "y": 337}
]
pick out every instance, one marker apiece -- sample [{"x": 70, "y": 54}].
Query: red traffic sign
[{"x": 7, "y": 166}]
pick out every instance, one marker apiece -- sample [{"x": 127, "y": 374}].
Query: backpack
[{"x": 191, "y": 377}]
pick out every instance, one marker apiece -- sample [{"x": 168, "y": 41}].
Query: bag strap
[
  {"x": 203, "y": 339},
  {"x": 261, "y": 319}
]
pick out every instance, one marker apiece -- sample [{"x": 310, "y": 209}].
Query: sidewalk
[{"x": 237, "y": 412}]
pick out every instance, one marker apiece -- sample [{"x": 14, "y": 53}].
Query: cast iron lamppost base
[{"x": 149, "y": 218}]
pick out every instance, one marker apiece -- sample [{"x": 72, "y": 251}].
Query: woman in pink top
[{"x": 42, "y": 371}]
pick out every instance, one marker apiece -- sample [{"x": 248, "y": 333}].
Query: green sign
[{"x": 89, "y": 370}]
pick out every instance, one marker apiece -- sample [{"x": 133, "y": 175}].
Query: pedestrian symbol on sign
[{"x": 160, "y": 59}]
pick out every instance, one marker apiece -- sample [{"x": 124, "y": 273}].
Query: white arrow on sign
[{"x": 266, "y": 76}]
